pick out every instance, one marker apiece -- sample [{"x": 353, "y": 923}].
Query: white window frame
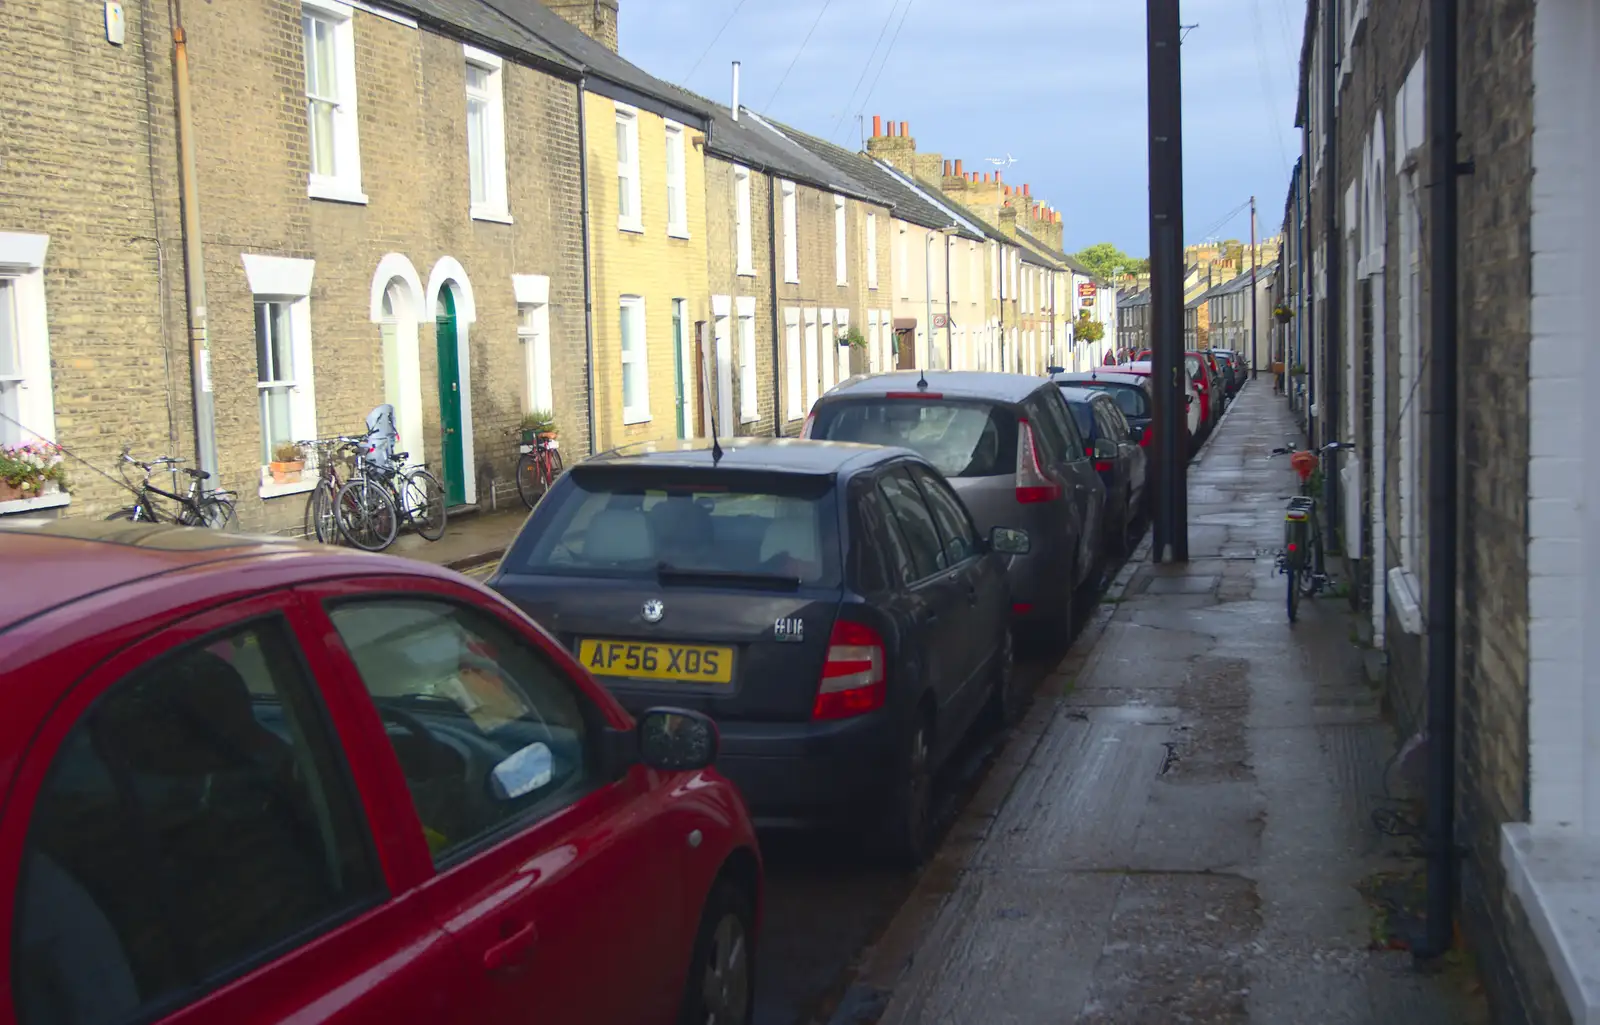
[
  {"x": 791, "y": 233},
  {"x": 841, "y": 326},
  {"x": 749, "y": 400},
  {"x": 628, "y": 183},
  {"x": 677, "y": 181},
  {"x": 793, "y": 359},
  {"x": 828, "y": 341},
  {"x": 872, "y": 251},
  {"x": 722, "y": 356},
  {"x": 902, "y": 271},
  {"x": 812, "y": 374},
  {"x": 994, "y": 270},
  {"x": 533, "y": 332},
  {"x": 344, "y": 185},
  {"x": 841, "y": 266},
  {"x": 22, "y": 258},
  {"x": 744, "y": 246},
  {"x": 287, "y": 280},
  {"x": 494, "y": 204},
  {"x": 634, "y": 359}
]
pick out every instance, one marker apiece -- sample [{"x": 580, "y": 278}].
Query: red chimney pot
[
  {"x": 958, "y": 169},
  {"x": 877, "y": 125},
  {"x": 1027, "y": 190},
  {"x": 905, "y": 129},
  {"x": 986, "y": 177},
  {"x": 947, "y": 166}
]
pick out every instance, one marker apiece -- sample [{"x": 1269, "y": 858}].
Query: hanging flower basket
[{"x": 1282, "y": 314}]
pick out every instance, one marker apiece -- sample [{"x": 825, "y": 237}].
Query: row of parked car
[
  {"x": 247, "y": 780},
  {"x": 1212, "y": 378}
]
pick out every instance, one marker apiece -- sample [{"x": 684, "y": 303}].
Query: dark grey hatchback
[{"x": 831, "y": 605}]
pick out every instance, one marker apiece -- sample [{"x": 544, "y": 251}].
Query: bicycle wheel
[
  {"x": 129, "y": 513},
  {"x": 533, "y": 479},
  {"x": 1294, "y": 593},
  {"x": 554, "y": 458},
  {"x": 422, "y": 499},
  {"x": 366, "y": 514},
  {"x": 218, "y": 514},
  {"x": 320, "y": 520}
]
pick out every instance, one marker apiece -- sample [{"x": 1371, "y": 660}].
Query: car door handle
[
  {"x": 972, "y": 593},
  {"x": 514, "y": 950}
]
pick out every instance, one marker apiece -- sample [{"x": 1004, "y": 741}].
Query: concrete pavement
[{"x": 1183, "y": 826}]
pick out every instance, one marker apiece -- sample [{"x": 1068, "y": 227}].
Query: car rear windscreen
[
  {"x": 715, "y": 523},
  {"x": 1082, "y": 414},
  {"x": 1131, "y": 400},
  {"x": 961, "y": 438}
]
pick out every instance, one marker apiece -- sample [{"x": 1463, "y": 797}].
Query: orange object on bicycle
[{"x": 1304, "y": 463}]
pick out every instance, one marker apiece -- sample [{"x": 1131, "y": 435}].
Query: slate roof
[{"x": 482, "y": 24}]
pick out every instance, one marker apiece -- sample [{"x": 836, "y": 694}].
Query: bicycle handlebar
[{"x": 1332, "y": 446}]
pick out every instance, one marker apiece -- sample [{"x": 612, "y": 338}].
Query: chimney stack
[
  {"x": 960, "y": 172},
  {"x": 597, "y": 19},
  {"x": 736, "y": 90},
  {"x": 1027, "y": 190},
  {"x": 877, "y": 125}
]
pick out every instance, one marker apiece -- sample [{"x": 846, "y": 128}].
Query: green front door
[{"x": 455, "y": 492}]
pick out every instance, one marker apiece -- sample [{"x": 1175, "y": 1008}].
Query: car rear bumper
[{"x": 810, "y": 774}]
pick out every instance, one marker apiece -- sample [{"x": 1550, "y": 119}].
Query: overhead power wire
[
  {"x": 803, "y": 43},
  {"x": 888, "y": 53},
  {"x": 707, "y": 51},
  {"x": 866, "y": 67}
]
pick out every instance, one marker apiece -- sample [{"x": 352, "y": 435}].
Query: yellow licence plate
[{"x": 649, "y": 660}]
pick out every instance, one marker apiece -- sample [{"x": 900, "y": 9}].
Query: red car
[
  {"x": 1207, "y": 382},
  {"x": 246, "y": 781}
]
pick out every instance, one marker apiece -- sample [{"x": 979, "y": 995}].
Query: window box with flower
[{"x": 30, "y": 470}]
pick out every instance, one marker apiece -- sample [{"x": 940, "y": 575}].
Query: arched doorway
[
  {"x": 452, "y": 449},
  {"x": 397, "y": 307}
]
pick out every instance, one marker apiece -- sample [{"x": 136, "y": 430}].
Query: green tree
[{"x": 1105, "y": 259}]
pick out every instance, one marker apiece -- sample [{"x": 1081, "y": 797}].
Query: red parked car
[{"x": 252, "y": 781}]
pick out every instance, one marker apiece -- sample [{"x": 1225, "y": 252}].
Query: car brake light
[
  {"x": 853, "y": 680},
  {"x": 805, "y": 428},
  {"x": 1100, "y": 465},
  {"x": 1032, "y": 485},
  {"x": 913, "y": 395},
  {"x": 1147, "y": 437},
  {"x": 1021, "y": 608}
]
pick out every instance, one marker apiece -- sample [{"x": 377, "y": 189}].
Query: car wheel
[
  {"x": 722, "y": 972},
  {"x": 910, "y": 820},
  {"x": 1004, "y": 704}
]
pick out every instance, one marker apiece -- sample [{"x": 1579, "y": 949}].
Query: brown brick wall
[
  {"x": 252, "y": 142},
  {"x": 85, "y": 124}
]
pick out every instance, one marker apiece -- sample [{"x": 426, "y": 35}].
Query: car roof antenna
[
  {"x": 922, "y": 379},
  {"x": 716, "y": 444}
]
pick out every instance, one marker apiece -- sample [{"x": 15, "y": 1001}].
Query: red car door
[
  {"x": 560, "y": 886},
  {"x": 188, "y": 846}
]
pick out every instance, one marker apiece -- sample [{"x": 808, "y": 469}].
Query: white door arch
[
  {"x": 397, "y": 308},
  {"x": 449, "y": 289}
]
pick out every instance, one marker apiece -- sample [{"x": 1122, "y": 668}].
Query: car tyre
[
  {"x": 721, "y": 986},
  {"x": 1005, "y": 705},
  {"x": 908, "y": 827}
]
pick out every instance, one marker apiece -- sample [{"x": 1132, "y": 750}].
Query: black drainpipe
[
  {"x": 777, "y": 321},
  {"x": 1442, "y": 512},
  {"x": 1334, "y": 243},
  {"x": 588, "y": 289}
]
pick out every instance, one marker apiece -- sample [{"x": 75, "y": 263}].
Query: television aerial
[{"x": 1005, "y": 161}]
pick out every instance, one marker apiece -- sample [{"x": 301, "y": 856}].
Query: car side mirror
[
  {"x": 1010, "y": 541},
  {"x": 677, "y": 740},
  {"x": 1105, "y": 448}
]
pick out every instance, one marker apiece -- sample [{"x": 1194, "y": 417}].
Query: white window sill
[
  {"x": 1403, "y": 592},
  {"x": 842, "y": 284},
  {"x": 1555, "y": 877},
  {"x": 787, "y": 280},
  {"x": 635, "y": 227},
  {"x": 271, "y": 489},
  {"x": 682, "y": 233},
  {"x": 746, "y": 272},
  {"x": 336, "y": 191},
  {"x": 635, "y": 417},
  {"x": 749, "y": 418},
  {"x": 22, "y": 505},
  {"x": 871, "y": 287},
  {"x": 483, "y": 213}
]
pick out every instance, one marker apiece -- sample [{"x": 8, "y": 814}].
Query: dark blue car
[{"x": 1119, "y": 458}]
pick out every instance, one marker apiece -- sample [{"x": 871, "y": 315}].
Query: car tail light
[
  {"x": 805, "y": 428},
  {"x": 1032, "y": 485},
  {"x": 1021, "y": 608},
  {"x": 1101, "y": 465},
  {"x": 853, "y": 678},
  {"x": 1148, "y": 436}
]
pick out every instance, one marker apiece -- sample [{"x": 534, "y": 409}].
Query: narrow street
[{"x": 1180, "y": 830}]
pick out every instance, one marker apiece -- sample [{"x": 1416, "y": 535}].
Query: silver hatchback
[{"x": 1008, "y": 445}]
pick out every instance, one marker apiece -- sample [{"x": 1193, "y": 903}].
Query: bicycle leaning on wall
[
  {"x": 199, "y": 507},
  {"x": 382, "y": 491},
  {"x": 1302, "y": 559}
]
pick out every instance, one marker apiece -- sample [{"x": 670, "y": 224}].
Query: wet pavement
[{"x": 1180, "y": 828}]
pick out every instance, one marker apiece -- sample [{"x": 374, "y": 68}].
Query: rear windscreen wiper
[{"x": 728, "y": 578}]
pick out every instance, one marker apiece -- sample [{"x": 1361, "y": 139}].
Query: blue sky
[{"x": 1057, "y": 84}]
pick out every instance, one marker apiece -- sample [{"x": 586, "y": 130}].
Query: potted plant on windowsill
[
  {"x": 852, "y": 338},
  {"x": 539, "y": 423},
  {"x": 30, "y": 470},
  {"x": 288, "y": 459}
]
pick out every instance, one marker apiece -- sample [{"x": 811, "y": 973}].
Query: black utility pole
[
  {"x": 1165, "y": 65},
  {"x": 1255, "y": 357},
  {"x": 1331, "y": 240}
]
